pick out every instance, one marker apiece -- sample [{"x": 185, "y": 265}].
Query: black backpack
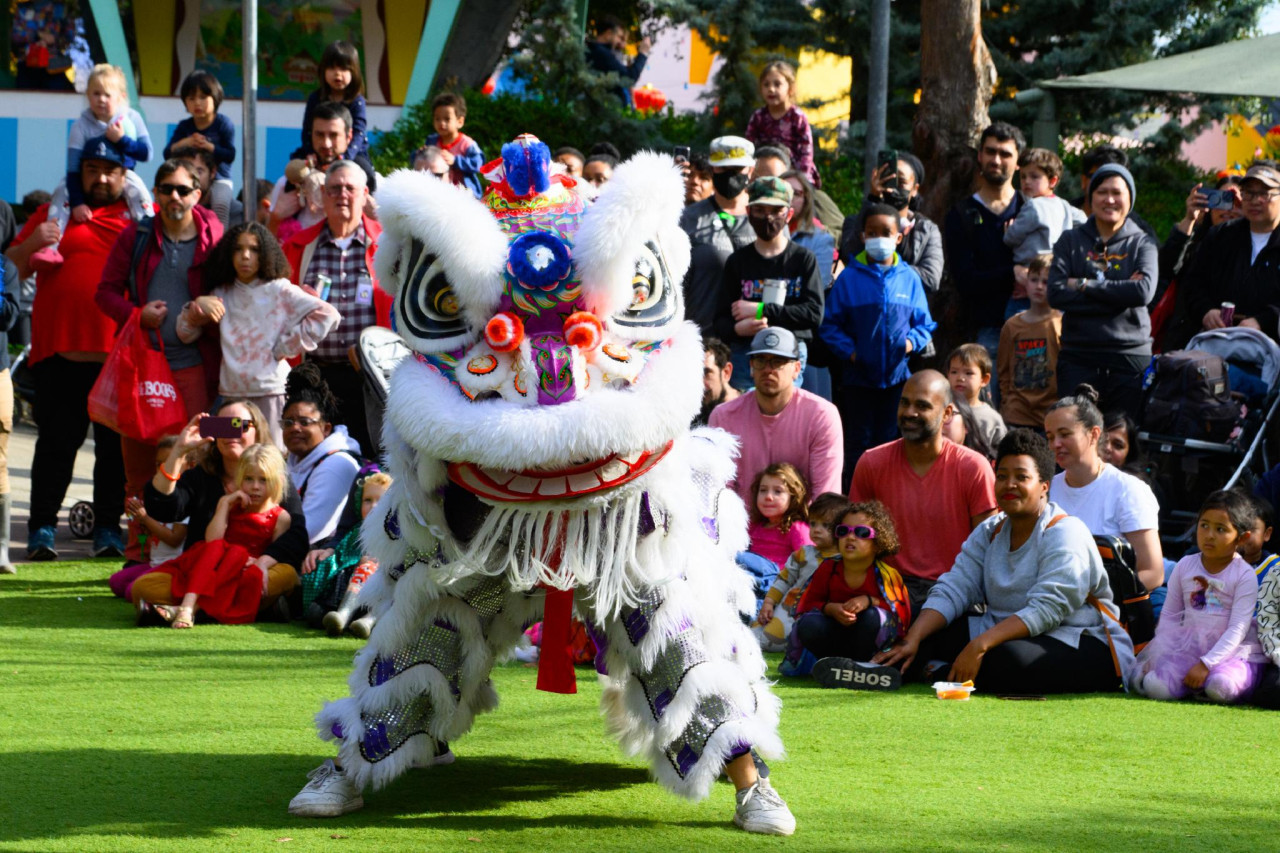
[
  {"x": 1190, "y": 397},
  {"x": 1136, "y": 612}
]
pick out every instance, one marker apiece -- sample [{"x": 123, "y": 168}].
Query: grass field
[{"x": 115, "y": 738}]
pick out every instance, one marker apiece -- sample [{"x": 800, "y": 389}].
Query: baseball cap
[
  {"x": 769, "y": 190},
  {"x": 774, "y": 342},
  {"x": 1265, "y": 174},
  {"x": 101, "y": 148},
  {"x": 732, "y": 151}
]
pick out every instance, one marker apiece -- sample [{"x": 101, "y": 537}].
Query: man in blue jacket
[{"x": 876, "y": 315}]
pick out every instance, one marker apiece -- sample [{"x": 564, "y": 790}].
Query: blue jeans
[{"x": 763, "y": 572}]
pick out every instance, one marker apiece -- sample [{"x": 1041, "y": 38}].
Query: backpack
[
  {"x": 1136, "y": 612},
  {"x": 1190, "y": 397}
]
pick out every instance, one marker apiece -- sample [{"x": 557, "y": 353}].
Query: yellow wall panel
[
  {"x": 404, "y": 30},
  {"x": 153, "y": 25}
]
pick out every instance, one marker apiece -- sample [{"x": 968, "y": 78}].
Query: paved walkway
[{"x": 22, "y": 445}]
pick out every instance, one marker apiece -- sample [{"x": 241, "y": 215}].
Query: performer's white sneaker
[
  {"x": 760, "y": 809},
  {"x": 329, "y": 793}
]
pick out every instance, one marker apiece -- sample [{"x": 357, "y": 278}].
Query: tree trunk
[{"x": 957, "y": 78}]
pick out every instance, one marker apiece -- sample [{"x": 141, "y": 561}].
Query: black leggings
[
  {"x": 1032, "y": 665},
  {"x": 1267, "y": 693},
  {"x": 825, "y": 637}
]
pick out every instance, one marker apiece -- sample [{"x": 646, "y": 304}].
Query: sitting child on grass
[
  {"x": 1205, "y": 640},
  {"x": 857, "y": 604},
  {"x": 778, "y": 612},
  {"x": 219, "y": 575},
  {"x": 346, "y": 567},
  {"x": 779, "y": 524}
]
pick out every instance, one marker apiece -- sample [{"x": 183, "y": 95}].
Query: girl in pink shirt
[
  {"x": 1206, "y": 641},
  {"x": 779, "y": 525}
]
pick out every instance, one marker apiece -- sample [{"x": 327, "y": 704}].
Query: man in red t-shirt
[
  {"x": 70, "y": 339},
  {"x": 936, "y": 490}
]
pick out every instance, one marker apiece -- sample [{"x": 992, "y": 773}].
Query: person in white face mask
[{"x": 876, "y": 315}]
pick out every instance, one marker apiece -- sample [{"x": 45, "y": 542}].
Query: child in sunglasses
[
  {"x": 856, "y": 604},
  {"x": 778, "y": 611}
]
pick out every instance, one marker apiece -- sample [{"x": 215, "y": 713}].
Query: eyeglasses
[
  {"x": 859, "y": 531},
  {"x": 169, "y": 189},
  {"x": 1258, "y": 195},
  {"x": 287, "y": 423},
  {"x": 339, "y": 190},
  {"x": 763, "y": 362}
]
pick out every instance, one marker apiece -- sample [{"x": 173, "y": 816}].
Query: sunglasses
[
  {"x": 859, "y": 531},
  {"x": 181, "y": 189}
]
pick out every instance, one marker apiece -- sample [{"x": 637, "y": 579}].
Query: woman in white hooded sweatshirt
[{"x": 323, "y": 460}]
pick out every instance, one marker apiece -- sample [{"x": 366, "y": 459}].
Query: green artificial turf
[{"x": 116, "y": 738}]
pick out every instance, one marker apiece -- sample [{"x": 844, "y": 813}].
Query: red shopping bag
[{"x": 135, "y": 394}]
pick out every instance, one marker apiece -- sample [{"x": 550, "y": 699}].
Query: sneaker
[
  {"x": 40, "y": 544},
  {"x": 329, "y": 793},
  {"x": 798, "y": 668},
  {"x": 760, "y": 809},
  {"x": 856, "y": 675},
  {"x": 362, "y": 627},
  {"x": 43, "y": 260},
  {"x": 107, "y": 543}
]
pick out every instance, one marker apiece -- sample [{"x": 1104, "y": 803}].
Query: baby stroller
[{"x": 1186, "y": 469}]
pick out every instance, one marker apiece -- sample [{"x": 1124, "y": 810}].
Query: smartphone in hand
[{"x": 215, "y": 427}]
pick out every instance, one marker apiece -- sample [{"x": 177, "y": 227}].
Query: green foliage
[
  {"x": 139, "y": 740},
  {"x": 1035, "y": 40},
  {"x": 492, "y": 121}
]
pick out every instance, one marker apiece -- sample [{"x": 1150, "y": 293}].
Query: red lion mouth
[{"x": 573, "y": 481}]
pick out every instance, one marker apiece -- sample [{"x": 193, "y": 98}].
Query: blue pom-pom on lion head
[{"x": 526, "y": 163}]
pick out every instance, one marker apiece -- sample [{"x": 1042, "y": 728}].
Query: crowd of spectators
[{"x": 820, "y": 335}]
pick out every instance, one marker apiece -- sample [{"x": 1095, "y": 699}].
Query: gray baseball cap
[{"x": 774, "y": 342}]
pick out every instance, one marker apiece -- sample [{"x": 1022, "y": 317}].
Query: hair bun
[
  {"x": 1084, "y": 389},
  {"x": 304, "y": 377}
]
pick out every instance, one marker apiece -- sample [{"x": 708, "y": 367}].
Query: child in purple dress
[{"x": 1206, "y": 640}]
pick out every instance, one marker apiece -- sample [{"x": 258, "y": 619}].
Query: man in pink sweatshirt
[{"x": 778, "y": 422}]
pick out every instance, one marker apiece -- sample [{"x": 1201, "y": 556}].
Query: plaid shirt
[
  {"x": 349, "y": 278},
  {"x": 792, "y": 132}
]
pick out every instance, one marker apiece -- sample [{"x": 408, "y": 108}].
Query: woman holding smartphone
[{"x": 198, "y": 472}]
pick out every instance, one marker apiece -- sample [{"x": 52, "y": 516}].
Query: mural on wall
[
  {"x": 291, "y": 38},
  {"x": 47, "y": 45}
]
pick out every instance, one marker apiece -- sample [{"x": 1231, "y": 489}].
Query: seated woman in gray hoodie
[
  {"x": 1040, "y": 576},
  {"x": 1103, "y": 277}
]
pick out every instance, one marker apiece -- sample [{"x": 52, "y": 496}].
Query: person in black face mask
[
  {"x": 717, "y": 226},
  {"x": 921, "y": 245},
  {"x": 770, "y": 283}
]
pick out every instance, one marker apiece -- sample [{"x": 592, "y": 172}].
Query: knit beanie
[{"x": 1105, "y": 171}]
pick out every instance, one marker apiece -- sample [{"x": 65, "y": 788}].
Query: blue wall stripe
[
  {"x": 8, "y": 165},
  {"x": 281, "y": 142}
]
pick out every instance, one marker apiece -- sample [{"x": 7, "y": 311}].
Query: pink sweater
[{"x": 806, "y": 433}]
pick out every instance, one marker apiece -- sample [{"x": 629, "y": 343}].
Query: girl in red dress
[{"x": 218, "y": 575}]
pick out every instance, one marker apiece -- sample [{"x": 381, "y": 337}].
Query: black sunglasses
[
  {"x": 181, "y": 189},
  {"x": 860, "y": 531}
]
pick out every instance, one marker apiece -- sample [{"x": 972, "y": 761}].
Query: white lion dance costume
[{"x": 540, "y": 446}]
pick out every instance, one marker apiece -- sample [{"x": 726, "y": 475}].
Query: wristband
[
  {"x": 759, "y": 310},
  {"x": 168, "y": 476}
]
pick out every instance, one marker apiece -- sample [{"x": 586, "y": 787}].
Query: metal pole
[
  {"x": 877, "y": 84},
  {"x": 249, "y": 120}
]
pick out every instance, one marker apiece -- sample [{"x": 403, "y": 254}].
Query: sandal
[
  {"x": 165, "y": 611},
  {"x": 183, "y": 617}
]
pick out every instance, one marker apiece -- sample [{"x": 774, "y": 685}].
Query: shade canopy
[{"x": 1245, "y": 68}]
